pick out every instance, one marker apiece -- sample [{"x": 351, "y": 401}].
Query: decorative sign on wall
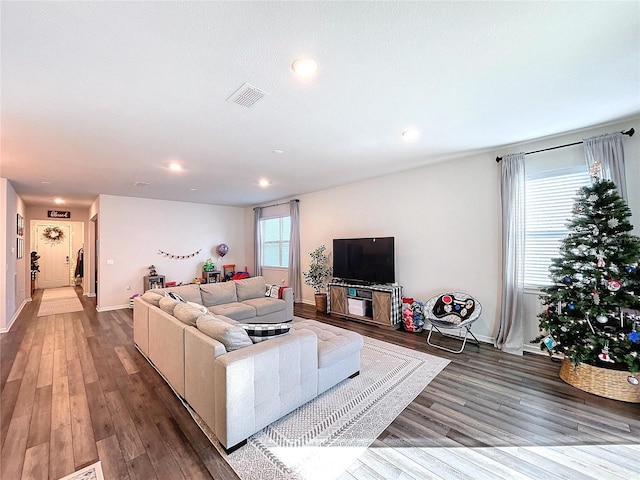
[
  {"x": 58, "y": 214},
  {"x": 180, "y": 257}
]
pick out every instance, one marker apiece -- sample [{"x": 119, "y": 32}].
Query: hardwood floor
[{"x": 75, "y": 390}]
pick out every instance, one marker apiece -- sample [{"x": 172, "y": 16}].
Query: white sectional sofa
[{"x": 235, "y": 384}]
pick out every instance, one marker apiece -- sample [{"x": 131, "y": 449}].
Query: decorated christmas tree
[{"x": 592, "y": 307}]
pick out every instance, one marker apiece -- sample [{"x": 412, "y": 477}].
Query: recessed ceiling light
[
  {"x": 264, "y": 183},
  {"x": 176, "y": 167},
  {"x": 192, "y": 189},
  {"x": 305, "y": 67},
  {"x": 140, "y": 183},
  {"x": 44, "y": 182},
  {"x": 410, "y": 134},
  {"x": 278, "y": 151},
  {"x": 58, "y": 201}
]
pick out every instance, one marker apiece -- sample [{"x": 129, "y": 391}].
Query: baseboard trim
[
  {"x": 114, "y": 307},
  {"x": 15, "y": 316}
]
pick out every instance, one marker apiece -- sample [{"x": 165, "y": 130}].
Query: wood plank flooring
[{"x": 75, "y": 390}]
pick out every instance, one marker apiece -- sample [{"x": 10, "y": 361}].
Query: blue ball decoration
[
  {"x": 630, "y": 269},
  {"x": 571, "y": 306},
  {"x": 567, "y": 280}
]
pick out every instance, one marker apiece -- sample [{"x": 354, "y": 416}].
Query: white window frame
[
  {"x": 284, "y": 239},
  {"x": 549, "y": 199}
]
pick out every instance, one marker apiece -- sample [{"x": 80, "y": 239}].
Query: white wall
[
  {"x": 13, "y": 284},
  {"x": 131, "y": 231},
  {"x": 446, "y": 221}
]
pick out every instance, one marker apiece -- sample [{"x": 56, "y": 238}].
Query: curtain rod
[
  {"x": 629, "y": 132},
  {"x": 276, "y": 204}
]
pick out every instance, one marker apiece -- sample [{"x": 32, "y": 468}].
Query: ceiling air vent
[
  {"x": 139, "y": 183},
  {"x": 247, "y": 95}
]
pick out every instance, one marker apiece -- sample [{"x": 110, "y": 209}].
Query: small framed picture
[
  {"x": 20, "y": 225},
  {"x": 20, "y": 248}
]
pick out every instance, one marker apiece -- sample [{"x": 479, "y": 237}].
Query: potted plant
[{"x": 319, "y": 270}]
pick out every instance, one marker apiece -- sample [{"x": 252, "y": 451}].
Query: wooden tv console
[{"x": 382, "y": 304}]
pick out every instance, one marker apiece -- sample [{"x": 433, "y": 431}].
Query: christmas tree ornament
[
  {"x": 630, "y": 269},
  {"x": 632, "y": 379},
  {"x": 602, "y": 319},
  {"x": 613, "y": 222},
  {"x": 634, "y": 337},
  {"x": 567, "y": 280},
  {"x": 614, "y": 285},
  {"x": 604, "y": 356},
  {"x": 571, "y": 306},
  {"x": 596, "y": 297},
  {"x": 593, "y": 198},
  {"x": 600, "y": 260},
  {"x": 583, "y": 248}
]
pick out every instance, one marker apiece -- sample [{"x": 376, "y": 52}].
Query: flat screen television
[{"x": 366, "y": 260}]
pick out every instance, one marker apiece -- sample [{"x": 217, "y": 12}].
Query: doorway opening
[{"x": 60, "y": 246}]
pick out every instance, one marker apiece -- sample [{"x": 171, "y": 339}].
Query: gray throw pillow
[
  {"x": 187, "y": 313},
  {"x": 168, "y": 304},
  {"x": 233, "y": 337},
  {"x": 152, "y": 297}
]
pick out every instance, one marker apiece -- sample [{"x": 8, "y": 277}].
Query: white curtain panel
[
  {"x": 510, "y": 336},
  {"x": 295, "y": 275},
  {"x": 607, "y": 149},
  {"x": 257, "y": 261}
]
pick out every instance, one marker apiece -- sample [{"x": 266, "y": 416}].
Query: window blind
[{"x": 549, "y": 199}]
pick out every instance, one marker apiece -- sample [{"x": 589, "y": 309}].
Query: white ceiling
[{"x": 97, "y": 95}]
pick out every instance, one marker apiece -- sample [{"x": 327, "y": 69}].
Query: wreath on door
[{"x": 53, "y": 234}]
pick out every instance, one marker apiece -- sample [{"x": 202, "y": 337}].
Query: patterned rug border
[
  {"x": 265, "y": 465},
  {"x": 91, "y": 472}
]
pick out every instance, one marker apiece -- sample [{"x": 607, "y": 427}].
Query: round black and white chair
[{"x": 452, "y": 311}]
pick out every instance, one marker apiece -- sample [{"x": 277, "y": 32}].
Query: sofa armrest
[
  {"x": 256, "y": 385},
  {"x": 287, "y": 296},
  {"x": 200, "y": 351},
  {"x": 141, "y": 324},
  {"x": 166, "y": 347}
]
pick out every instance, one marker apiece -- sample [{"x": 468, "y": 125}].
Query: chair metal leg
[{"x": 464, "y": 339}]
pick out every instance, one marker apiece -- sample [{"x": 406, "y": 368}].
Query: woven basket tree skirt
[{"x": 600, "y": 381}]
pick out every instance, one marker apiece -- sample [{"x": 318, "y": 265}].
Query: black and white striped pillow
[{"x": 259, "y": 332}]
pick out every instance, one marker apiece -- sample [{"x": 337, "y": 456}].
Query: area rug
[
  {"x": 323, "y": 437},
  {"x": 59, "y": 300},
  {"x": 92, "y": 472}
]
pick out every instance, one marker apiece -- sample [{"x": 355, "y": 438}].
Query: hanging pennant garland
[{"x": 179, "y": 257}]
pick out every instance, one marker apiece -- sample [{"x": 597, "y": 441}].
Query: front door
[{"x": 54, "y": 255}]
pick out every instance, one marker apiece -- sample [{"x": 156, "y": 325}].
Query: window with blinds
[
  {"x": 549, "y": 199},
  {"x": 274, "y": 234}
]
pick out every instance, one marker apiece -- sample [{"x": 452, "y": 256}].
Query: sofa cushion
[
  {"x": 190, "y": 293},
  {"x": 218, "y": 293},
  {"x": 168, "y": 304},
  {"x": 187, "y": 313},
  {"x": 152, "y": 297},
  {"x": 250, "y": 288},
  {"x": 259, "y": 332},
  {"x": 266, "y": 305},
  {"x": 233, "y": 337},
  {"x": 237, "y": 311}
]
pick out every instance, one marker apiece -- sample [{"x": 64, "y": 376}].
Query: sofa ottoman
[{"x": 338, "y": 352}]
